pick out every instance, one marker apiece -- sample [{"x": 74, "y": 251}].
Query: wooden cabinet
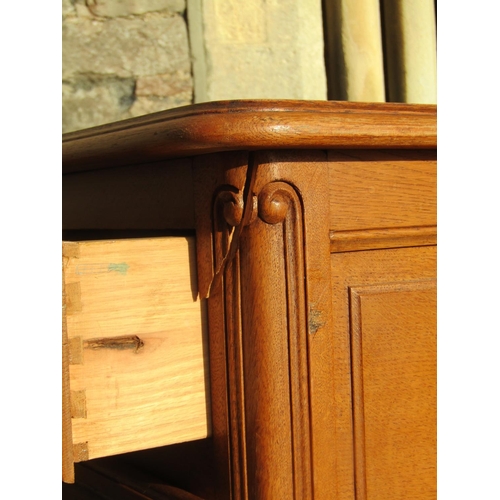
[
  {"x": 385, "y": 316},
  {"x": 315, "y": 233}
]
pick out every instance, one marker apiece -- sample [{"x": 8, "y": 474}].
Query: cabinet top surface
[{"x": 250, "y": 125}]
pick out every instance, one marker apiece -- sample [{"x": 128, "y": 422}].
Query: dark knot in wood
[
  {"x": 121, "y": 342},
  {"x": 274, "y": 201}
]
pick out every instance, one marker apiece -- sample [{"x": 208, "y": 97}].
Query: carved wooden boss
[{"x": 315, "y": 236}]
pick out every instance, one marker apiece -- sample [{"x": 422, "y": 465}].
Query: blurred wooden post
[
  {"x": 353, "y": 48},
  {"x": 410, "y": 40}
]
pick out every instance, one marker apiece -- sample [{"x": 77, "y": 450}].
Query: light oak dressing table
[{"x": 249, "y": 303}]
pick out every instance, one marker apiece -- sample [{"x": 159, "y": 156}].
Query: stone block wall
[
  {"x": 123, "y": 58},
  {"x": 257, "y": 49}
]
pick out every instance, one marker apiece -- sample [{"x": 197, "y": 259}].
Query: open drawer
[{"x": 134, "y": 359}]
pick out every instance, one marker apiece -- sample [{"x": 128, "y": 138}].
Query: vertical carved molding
[
  {"x": 263, "y": 432},
  {"x": 227, "y": 214},
  {"x": 279, "y": 203},
  {"x": 263, "y": 316}
]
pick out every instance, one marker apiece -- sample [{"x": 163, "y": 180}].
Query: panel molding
[
  {"x": 376, "y": 239},
  {"x": 356, "y": 294}
]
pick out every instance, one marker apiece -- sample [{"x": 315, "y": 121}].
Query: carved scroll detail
[
  {"x": 279, "y": 203},
  {"x": 230, "y": 202},
  {"x": 274, "y": 201},
  {"x": 279, "y": 231},
  {"x": 267, "y": 281},
  {"x": 239, "y": 209},
  {"x": 227, "y": 215}
]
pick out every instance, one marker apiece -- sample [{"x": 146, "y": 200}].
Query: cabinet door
[{"x": 385, "y": 353}]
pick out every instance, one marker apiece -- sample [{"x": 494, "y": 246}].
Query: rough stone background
[{"x": 123, "y": 58}]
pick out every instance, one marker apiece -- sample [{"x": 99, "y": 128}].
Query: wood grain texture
[
  {"x": 373, "y": 270},
  {"x": 393, "y": 342},
  {"x": 139, "y": 379},
  {"x": 382, "y": 190},
  {"x": 250, "y": 125},
  {"x": 269, "y": 322}
]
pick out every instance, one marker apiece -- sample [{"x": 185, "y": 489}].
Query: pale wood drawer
[{"x": 135, "y": 356}]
